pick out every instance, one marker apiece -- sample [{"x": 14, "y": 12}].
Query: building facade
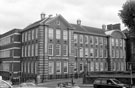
[
  {"x": 54, "y": 48},
  {"x": 10, "y": 53}
]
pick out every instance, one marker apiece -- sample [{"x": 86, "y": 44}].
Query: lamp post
[{"x": 72, "y": 80}]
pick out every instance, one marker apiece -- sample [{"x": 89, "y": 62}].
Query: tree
[{"x": 127, "y": 15}]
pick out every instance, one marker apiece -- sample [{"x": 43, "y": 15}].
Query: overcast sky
[{"x": 20, "y": 13}]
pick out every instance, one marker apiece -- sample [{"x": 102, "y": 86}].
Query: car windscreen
[{"x": 116, "y": 81}]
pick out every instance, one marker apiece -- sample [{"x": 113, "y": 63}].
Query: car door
[
  {"x": 104, "y": 83},
  {"x": 111, "y": 84}
]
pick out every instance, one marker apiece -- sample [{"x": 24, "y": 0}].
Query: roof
[
  {"x": 125, "y": 31},
  {"x": 87, "y": 29},
  {"x": 10, "y": 32},
  {"x": 32, "y": 25},
  {"x": 37, "y": 23},
  {"x": 109, "y": 33},
  {"x": 45, "y": 21}
]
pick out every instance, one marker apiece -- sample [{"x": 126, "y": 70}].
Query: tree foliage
[{"x": 127, "y": 14}]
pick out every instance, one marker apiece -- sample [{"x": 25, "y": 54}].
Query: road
[{"x": 53, "y": 83}]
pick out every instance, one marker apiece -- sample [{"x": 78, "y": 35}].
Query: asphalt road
[{"x": 53, "y": 83}]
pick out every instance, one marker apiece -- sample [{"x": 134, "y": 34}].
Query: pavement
[{"x": 54, "y": 82}]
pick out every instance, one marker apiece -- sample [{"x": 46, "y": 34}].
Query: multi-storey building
[
  {"x": 10, "y": 51},
  {"x": 54, "y": 48},
  {"x": 117, "y": 50}
]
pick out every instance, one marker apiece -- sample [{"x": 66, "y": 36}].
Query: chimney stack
[
  {"x": 104, "y": 27},
  {"x": 79, "y": 22},
  {"x": 42, "y": 16},
  {"x": 114, "y": 27},
  {"x": 50, "y": 15}
]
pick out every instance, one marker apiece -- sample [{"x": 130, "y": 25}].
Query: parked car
[
  {"x": 4, "y": 84},
  {"x": 67, "y": 85},
  {"x": 109, "y": 83}
]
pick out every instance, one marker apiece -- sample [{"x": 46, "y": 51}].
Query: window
[
  {"x": 113, "y": 53},
  {"x": 121, "y": 53},
  {"x": 29, "y": 50},
  {"x": 58, "y": 34},
  {"x": 118, "y": 66},
  {"x": 75, "y": 38},
  {"x": 76, "y": 51},
  {"x": 22, "y": 37},
  {"x": 50, "y": 49},
  {"x": 105, "y": 52},
  {"x": 51, "y": 67},
  {"x": 65, "y": 67},
  {"x": 96, "y": 52},
  {"x": 81, "y": 38},
  {"x": 29, "y": 35},
  {"x": 58, "y": 22},
  {"x": 81, "y": 67},
  {"x": 58, "y": 50},
  {"x": 36, "y": 33},
  {"x": 22, "y": 51},
  {"x": 58, "y": 67},
  {"x": 91, "y": 52},
  {"x": 36, "y": 49},
  {"x": 28, "y": 66},
  {"x": 25, "y": 51},
  {"x": 86, "y": 52},
  {"x": 81, "y": 51},
  {"x": 32, "y": 50},
  {"x": 92, "y": 66},
  {"x": 101, "y": 53},
  {"x": 96, "y": 40},
  {"x": 101, "y": 66},
  {"x": 22, "y": 68},
  {"x": 117, "y": 42},
  {"x": 114, "y": 66},
  {"x": 33, "y": 34},
  {"x": 32, "y": 67},
  {"x": 120, "y": 42},
  {"x": 117, "y": 53},
  {"x": 122, "y": 66},
  {"x": 65, "y": 50},
  {"x": 105, "y": 41},
  {"x": 51, "y": 33},
  {"x": 25, "y": 67},
  {"x": 91, "y": 39},
  {"x": 100, "y": 40},
  {"x": 97, "y": 66},
  {"x": 124, "y": 43},
  {"x": 25, "y": 36},
  {"x": 35, "y": 68},
  {"x": 112, "y": 41},
  {"x": 65, "y": 34},
  {"x": 86, "y": 39}
]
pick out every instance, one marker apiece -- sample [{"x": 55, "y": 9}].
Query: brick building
[
  {"x": 10, "y": 53},
  {"x": 54, "y": 48}
]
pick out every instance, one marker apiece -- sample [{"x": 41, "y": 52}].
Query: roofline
[
  {"x": 117, "y": 31},
  {"x": 90, "y": 33}
]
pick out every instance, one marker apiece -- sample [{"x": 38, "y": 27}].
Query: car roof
[{"x": 105, "y": 78}]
